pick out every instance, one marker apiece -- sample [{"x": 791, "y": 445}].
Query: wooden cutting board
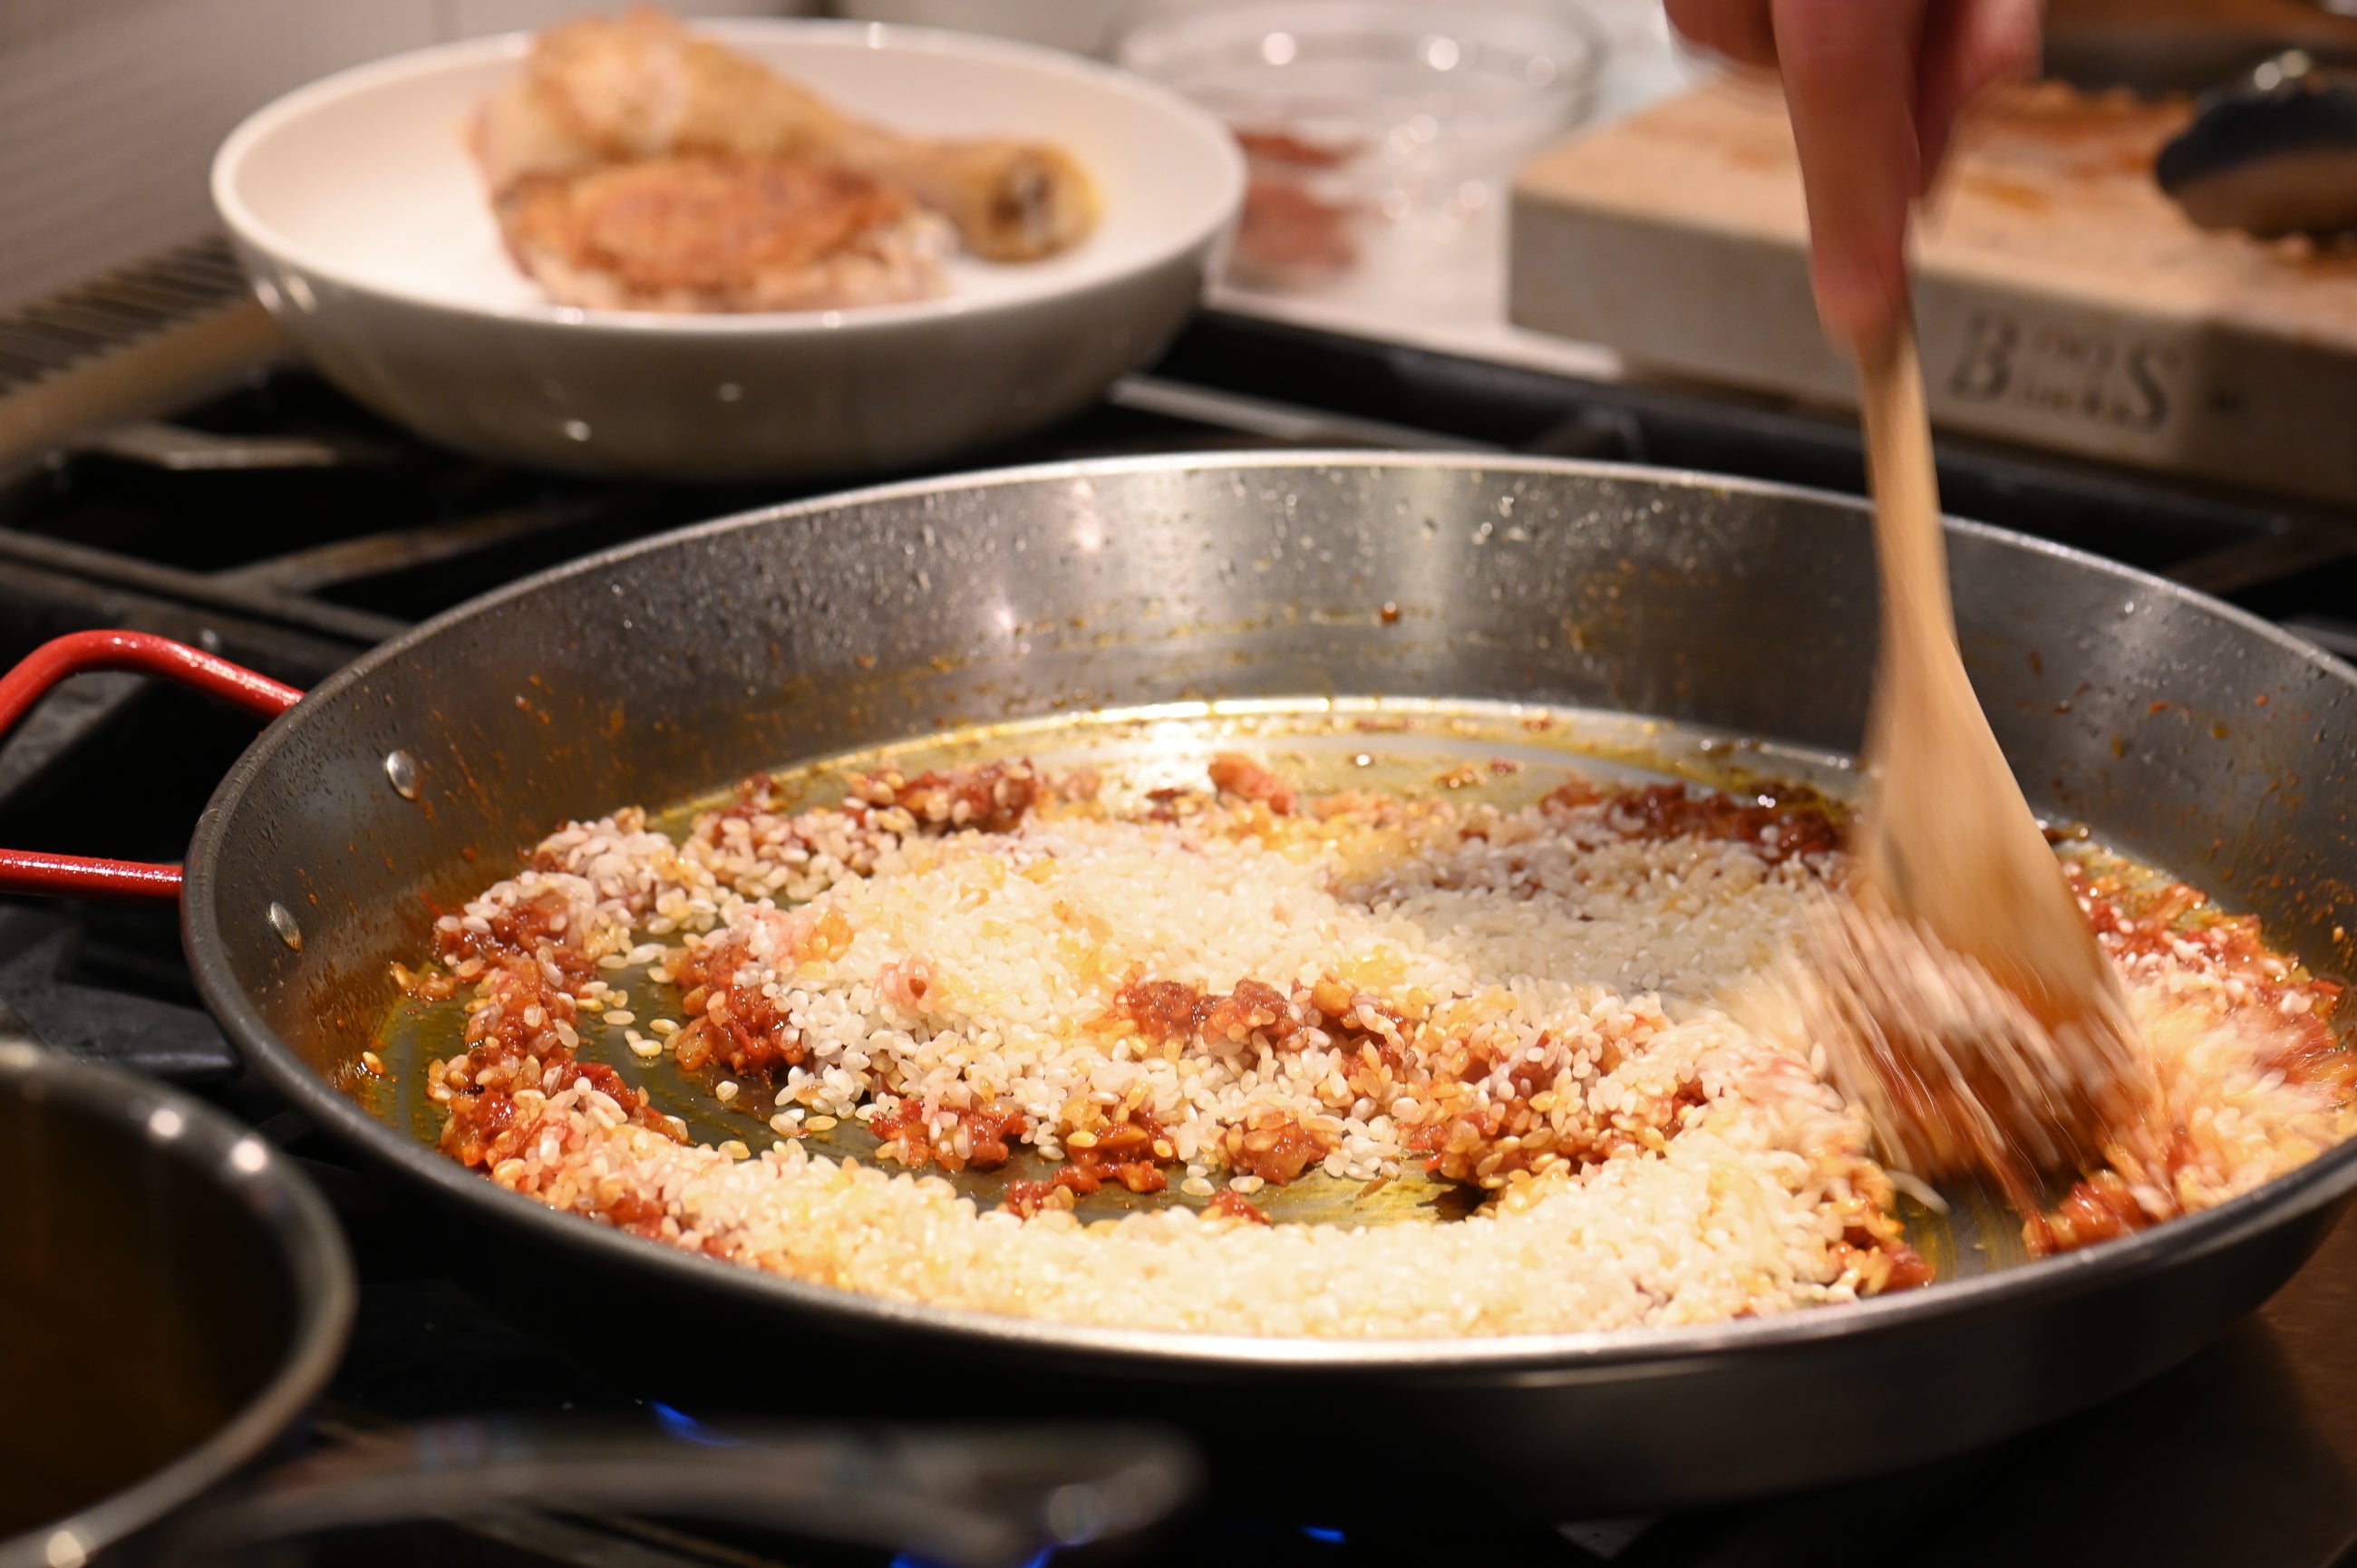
[{"x": 2062, "y": 300}]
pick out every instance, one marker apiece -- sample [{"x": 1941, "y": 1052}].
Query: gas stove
[{"x": 265, "y": 516}]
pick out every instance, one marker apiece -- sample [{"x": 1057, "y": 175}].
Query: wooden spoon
[{"x": 1974, "y": 1014}]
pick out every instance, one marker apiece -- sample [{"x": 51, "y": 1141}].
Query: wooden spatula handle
[
  {"x": 1908, "y": 548},
  {"x": 1949, "y": 840}
]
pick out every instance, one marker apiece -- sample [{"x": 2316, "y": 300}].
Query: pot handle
[
  {"x": 74, "y": 875},
  {"x": 959, "y": 1498}
]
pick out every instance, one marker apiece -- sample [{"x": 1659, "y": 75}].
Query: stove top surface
[{"x": 288, "y": 529}]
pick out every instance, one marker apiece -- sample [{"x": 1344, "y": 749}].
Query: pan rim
[{"x": 2327, "y": 1179}]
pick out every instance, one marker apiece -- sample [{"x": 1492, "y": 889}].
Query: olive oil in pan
[{"x": 1506, "y": 756}]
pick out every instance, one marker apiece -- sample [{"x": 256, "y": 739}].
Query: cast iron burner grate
[{"x": 282, "y": 525}]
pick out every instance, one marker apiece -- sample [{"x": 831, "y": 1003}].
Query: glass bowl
[{"x": 1379, "y": 133}]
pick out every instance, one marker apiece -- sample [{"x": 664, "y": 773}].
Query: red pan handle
[{"x": 38, "y": 872}]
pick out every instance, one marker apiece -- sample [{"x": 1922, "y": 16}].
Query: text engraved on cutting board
[{"x": 2120, "y": 381}]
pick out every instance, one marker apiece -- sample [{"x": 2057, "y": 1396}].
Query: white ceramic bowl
[{"x": 363, "y": 223}]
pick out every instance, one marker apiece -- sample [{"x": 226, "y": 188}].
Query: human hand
[{"x": 1874, "y": 88}]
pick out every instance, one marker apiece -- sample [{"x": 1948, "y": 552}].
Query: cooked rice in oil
[{"x": 1216, "y": 991}]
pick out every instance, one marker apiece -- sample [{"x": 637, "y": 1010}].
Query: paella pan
[{"x": 1421, "y": 615}]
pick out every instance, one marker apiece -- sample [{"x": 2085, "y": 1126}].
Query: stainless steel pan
[
  {"x": 172, "y": 1295},
  {"x": 2181, "y": 730}
]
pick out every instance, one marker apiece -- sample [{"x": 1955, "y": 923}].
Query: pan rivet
[
  {"x": 282, "y": 921},
  {"x": 401, "y": 768}
]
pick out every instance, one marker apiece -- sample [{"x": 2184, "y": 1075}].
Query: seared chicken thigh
[{"x": 598, "y": 92}]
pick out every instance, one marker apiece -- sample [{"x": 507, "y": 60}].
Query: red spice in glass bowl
[
  {"x": 1377, "y": 132},
  {"x": 1293, "y": 234}
]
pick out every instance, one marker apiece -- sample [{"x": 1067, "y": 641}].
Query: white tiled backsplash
[{"x": 110, "y": 110}]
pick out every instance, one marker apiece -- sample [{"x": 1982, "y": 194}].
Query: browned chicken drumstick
[{"x": 600, "y": 91}]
